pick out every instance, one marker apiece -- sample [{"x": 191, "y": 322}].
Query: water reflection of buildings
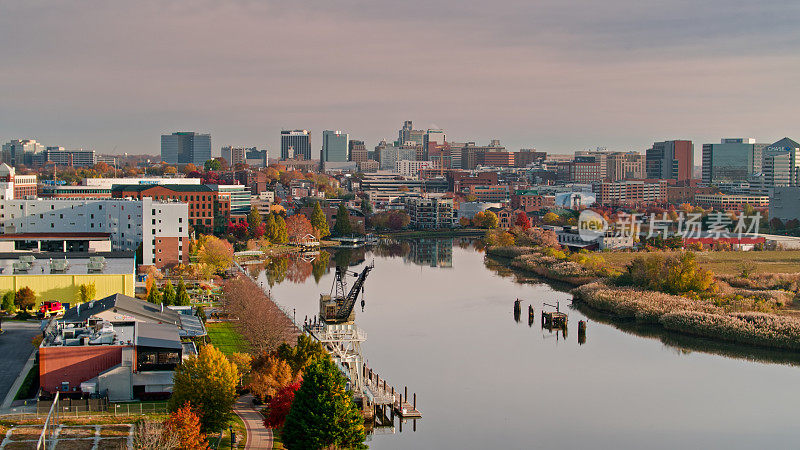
[{"x": 431, "y": 252}]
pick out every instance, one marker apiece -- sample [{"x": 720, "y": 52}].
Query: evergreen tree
[
  {"x": 323, "y": 415},
  {"x": 342, "y": 226},
  {"x": 319, "y": 222},
  {"x": 269, "y": 228},
  {"x": 8, "y": 302},
  {"x": 182, "y": 298},
  {"x": 154, "y": 296},
  {"x": 168, "y": 298},
  {"x": 281, "y": 231},
  {"x": 253, "y": 221}
]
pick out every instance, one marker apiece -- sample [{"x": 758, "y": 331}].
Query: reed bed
[{"x": 697, "y": 316}]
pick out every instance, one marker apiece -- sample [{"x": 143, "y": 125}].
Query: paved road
[
  {"x": 258, "y": 435},
  {"x": 15, "y": 348}
]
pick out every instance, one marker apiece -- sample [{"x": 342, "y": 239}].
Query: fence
[{"x": 63, "y": 412}]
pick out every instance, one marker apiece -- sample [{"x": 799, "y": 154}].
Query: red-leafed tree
[
  {"x": 281, "y": 404},
  {"x": 523, "y": 221},
  {"x": 185, "y": 423},
  {"x": 238, "y": 229},
  {"x": 298, "y": 226}
]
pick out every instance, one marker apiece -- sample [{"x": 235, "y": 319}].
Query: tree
[
  {"x": 25, "y": 298},
  {"x": 366, "y": 206},
  {"x": 168, "y": 299},
  {"x": 8, "y": 303},
  {"x": 208, "y": 382},
  {"x": 398, "y": 220},
  {"x": 185, "y": 423},
  {"x": 243, "y": 363},
  {"x": 342, "y": 227},
  {"x": 182, "y": 298},
  {"x": 189, "y": 168},
  {"x": 319, "y": 222},
  {"x": 254, "y": 222},
  {"x": 486, "y": 219},
  {"x": 551, "y": 218},
  {"x": 299, "y": 356},
  {"x": 523, "y": 221},
  {"x": 279, "y": 233},
  {"x": 86, "y": 293},
  {"x": 280, "y": 405},
  {"x": 297, "y": 226},
  {"x": 269, "y": 374},
  {"x": 215, "y": 252},
  {"x": 323, "y": 413},
  {"x": 154, "y": 296},
  {"x": 212, "y": 164}
]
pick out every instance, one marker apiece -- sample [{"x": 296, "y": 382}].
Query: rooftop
[
  {"x": 76, "y": 263},
  {"x": 171, "y": 187}
]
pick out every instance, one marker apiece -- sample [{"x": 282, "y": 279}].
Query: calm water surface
[{"x": 439, "y": 319}]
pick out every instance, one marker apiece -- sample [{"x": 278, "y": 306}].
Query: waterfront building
[
  {"x": 296, "y": 144},
  {"x": 531, "y": 200},
  {"x": 186, "y": 147},
  {"x": 430, "y": 212},
  {"x": 733, "y": 160},
  {"x": 491, "y": 193},
  {"x": 670, "y": 160}
]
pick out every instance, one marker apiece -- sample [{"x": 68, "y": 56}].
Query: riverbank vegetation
[{"x": 674, "y": 290}]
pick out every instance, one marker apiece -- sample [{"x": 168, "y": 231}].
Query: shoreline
[{"x": 664, "y": 313}]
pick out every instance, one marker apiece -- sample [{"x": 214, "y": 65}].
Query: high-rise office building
[
  {"x": 358, "y": 151},
  {"x": 670, "y": 160},
  {"x": 408, "y": 134},
  {"x": 235, "y": 155},
  {"x": 781, "y": 164},
  {"x": 732, "y": 161},
  {"x": 19, "y": 152},
  {"x": 186, "y": 147},
  {"x": 334, "y": 146},
  {"x": 295, "y": 144}
]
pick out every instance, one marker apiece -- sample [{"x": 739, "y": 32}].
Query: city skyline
[{"x": 548, "y": 76}]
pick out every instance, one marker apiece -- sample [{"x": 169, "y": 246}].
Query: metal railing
[{"x": 51, "y": 422}]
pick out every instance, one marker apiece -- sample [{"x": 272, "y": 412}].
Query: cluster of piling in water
[{"x": 551, "y": 320}]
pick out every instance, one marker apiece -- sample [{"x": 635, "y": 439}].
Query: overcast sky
[{"x": 557, "y": 75}]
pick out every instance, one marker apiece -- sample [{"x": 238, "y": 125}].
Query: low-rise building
[
  {"x": 631, "y": 192},
  {"x": 117, "y": 346},
  {"x": 430, "y": 212},
  {"x": 58, "y": 276},
  {"x": 731, "y": 202},
  {"x": 161, "y": 227},
  {"x": 785, "y": 203}
]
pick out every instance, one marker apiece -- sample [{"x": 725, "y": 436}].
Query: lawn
[
  {"x": 727, "y": 263},
  {"x": 241, "y": 434},
  {"x": 225, "y": 337}
]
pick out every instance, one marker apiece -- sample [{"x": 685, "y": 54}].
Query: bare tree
[{"x": 148, "y": 435}]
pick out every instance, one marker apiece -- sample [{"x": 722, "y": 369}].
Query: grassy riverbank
[
  {"x": 695, "y": 317},
  {"x": 752, "y": 308}
]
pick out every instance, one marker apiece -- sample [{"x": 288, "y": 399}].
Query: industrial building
[
  {"x": 58, "y": 276},
  {"x": 118, "y": 347}
]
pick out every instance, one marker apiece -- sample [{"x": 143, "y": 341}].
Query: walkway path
[{"x": 258, "y": 435}]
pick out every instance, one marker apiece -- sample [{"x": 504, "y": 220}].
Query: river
[{"x": 439, "y": 319}]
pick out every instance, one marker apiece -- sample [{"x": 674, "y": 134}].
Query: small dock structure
[{"x": 554, "y": 319}]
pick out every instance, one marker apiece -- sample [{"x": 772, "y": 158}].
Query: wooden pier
[{"x": 385, "y": 397}]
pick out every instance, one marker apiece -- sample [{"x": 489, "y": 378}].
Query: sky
[{"x": 555, "y": 75}]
